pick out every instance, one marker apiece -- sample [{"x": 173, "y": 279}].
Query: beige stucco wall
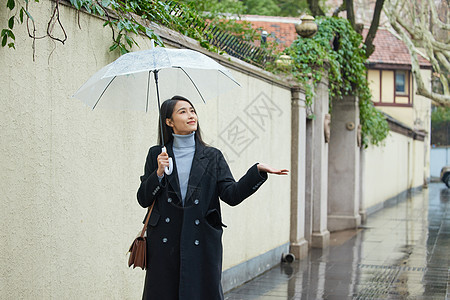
[
  {"x": 392, "y": 168},
  {"x": 422, "y": 119},
  {"x": 417, "y": 117},
  {"x": 422, "y": 105},
  {"x": 69, "y": 175},
  {"x": 268, "y": 211}
]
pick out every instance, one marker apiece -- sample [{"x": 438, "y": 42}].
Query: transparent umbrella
[{"x": 126, "y": 83}]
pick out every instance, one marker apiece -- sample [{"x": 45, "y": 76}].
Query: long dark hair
[{"x": 167, "y": 108}]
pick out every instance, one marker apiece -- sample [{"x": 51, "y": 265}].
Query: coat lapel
[{"x": 198, "y": 168}]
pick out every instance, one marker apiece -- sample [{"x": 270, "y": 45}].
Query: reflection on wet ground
[{"x": 402, "y": 252}]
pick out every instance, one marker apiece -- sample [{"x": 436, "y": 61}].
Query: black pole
[{"x": 159, "y": 107}]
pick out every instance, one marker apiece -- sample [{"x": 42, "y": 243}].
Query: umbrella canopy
[{"x": 126, "y": 83}]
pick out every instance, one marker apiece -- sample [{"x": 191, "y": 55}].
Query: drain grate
[
  {"x": 401, "y": 268},
  {"x": 381, "y": 281}
]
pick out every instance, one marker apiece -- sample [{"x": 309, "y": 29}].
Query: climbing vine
[
  {"x": 337, "y": 50},
  {"x": 125, "y": 18}
]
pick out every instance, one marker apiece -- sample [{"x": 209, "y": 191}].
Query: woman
[{"x": 185, "y": 228}]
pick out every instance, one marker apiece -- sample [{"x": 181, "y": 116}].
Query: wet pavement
[{"x": 402, "y": 252}]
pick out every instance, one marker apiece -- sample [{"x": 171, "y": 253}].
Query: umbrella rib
[
  {"x": 148, "y": 88},
  {"x": 193, "y": 84},
  {"x": 103, "y": 92},
  {"x": 230, "y": 78}
]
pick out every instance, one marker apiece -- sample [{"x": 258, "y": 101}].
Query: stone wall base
[
  {"x": 300, "y": 249},
  {"x": 336, "y": 223},
  {"x": 320, "y": 239}
]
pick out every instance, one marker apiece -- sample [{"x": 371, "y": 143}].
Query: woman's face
[{"x": 184, "y": 118}]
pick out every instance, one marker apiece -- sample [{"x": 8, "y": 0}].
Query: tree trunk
[
  {"x": 342, "y": 7},
  {"x": 315, "y": 9},
  {"x": 350, "y": 13},
  {"x": 370, "y": 48}
]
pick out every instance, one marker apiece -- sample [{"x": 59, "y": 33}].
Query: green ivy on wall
[
  {"x": 125, "y": 18},
  {"x": 7, "y": 35},
  {"x": 122, "y": 16},
  {"x": 337, "y": 50}
]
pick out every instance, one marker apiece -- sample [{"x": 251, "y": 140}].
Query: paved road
[{"x": 402, "y": 252}]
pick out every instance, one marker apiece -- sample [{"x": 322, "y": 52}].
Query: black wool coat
[{"x": 184, "y": 244}]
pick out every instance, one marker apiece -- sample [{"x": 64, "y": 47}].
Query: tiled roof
[
  {"x": 282, "y": 29},
  {"x": 388, "y": 48},
  {"x": 284, "y": 33},
  {"x": 391, "y": 50}
]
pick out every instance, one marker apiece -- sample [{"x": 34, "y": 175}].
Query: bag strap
[{"x": 147, "y": 219}]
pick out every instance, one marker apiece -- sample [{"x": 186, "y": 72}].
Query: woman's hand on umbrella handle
[
  {"x": 165, "y": 163},
  {"x": 168, "y": 170},
  {"x": 269, "y": 169}
]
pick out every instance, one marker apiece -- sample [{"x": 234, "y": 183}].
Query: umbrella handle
[{"x": 168, "y": 170}]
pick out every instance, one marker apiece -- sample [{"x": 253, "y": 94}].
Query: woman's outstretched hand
[{"x": 269, "y": 169}]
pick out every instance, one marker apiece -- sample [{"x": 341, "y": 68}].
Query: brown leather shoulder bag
[{"x": 138, "y": 249}]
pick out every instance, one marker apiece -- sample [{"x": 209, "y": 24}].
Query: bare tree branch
[
  {"x": 443, "y": 59},
  {"x": 436, "y": 20},
  {"x": 412, "y": 22}
]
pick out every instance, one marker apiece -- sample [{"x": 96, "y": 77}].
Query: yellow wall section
[
  {"x": 387, "y": 87},
  {"x": 373, "y": 77}
]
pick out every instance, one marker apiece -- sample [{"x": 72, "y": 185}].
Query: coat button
[
  {"x": 196, "y": 201},
  {"x": 164, "y": 240},
  {"x": 196, "y": 242},
  {"x": 167, "y": 220},
  {"x": 197, "y": 222},
  {"x": 169, "y": 200}
]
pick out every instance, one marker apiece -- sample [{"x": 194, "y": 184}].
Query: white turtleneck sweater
[{"x": 183, "y": 150}]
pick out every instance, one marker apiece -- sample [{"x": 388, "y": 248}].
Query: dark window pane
[{"x": 400, "y": 79}]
